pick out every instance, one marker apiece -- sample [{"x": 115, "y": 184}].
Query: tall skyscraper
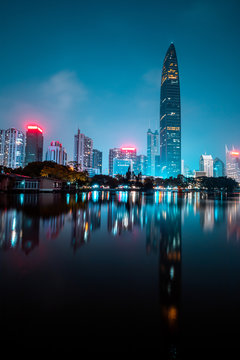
[
  {"x": 12, "y": 148},
  {"x": 34, "y": 144},
  {"x": 97, "y": 160},
  {"x": 170, "y": 116},
  {"x": 233, "y": 164},
  {"x": 152, "y": 151},
  {"x": 56, "y": 153},
  {"x": 206, "y": 164},
  {"x": 83, "y": 151},
  {"x": 218, "y": 168}
]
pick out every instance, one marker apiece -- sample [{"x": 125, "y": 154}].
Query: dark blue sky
[{"x": 96, "y": 65}]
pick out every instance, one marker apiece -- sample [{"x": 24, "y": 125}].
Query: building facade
[
  {"x": 233, "y": 164},
  {"x": 12, "y": 148},
  {"x": 34, "y": 144},
  {"x": 121, "y": 166},
  {"x": 114, "y": 153},
  {"x": 206, "y": 164},
  {"x": 57, "y": 153},
  {"x": 153, "y": 149},
  {"x": 97, "y": 161},
  {"x": 83, "y": 151},
  {"x": 218, "y": 168},
  {"x": 125, "y": 153},
  {"x": 170, "y": 116},
  {"x": 141, "y": 164}
]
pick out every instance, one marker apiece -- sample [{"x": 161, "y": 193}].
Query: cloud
[
  {"x": 63, "y": 90},
  {"x": 52, "y": 99}
]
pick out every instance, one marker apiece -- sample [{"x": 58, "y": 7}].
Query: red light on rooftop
[
  {"x": 128, "y": 148},
  {"x": 235, "y": 153},
  {"x": 34, "y": 127}
]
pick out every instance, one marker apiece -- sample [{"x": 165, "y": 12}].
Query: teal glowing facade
[{"x": 170, "y": 116}]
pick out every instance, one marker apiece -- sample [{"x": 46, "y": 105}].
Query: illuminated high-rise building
[
  {"x": 128, "y": 157},
  {"x": 34, "y": 144},
  {"x": 170, "y": 116},
  {"x": 113, "y": 154},
  {"x": 233, "y": 164},
  {"x": 57, "y": 153},
  {"x": 2, "y": 146},
  {"x": 152, "y": 151},
  {"x": 206, "y": 164},
  {"x": 83, "y": 151},
  {"x": 12, "y": 148}
]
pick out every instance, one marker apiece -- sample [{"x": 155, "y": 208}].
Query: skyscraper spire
[{"x": 170, "y": 116}]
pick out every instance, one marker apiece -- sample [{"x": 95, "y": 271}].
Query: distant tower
[
  {"x": 233, "y": 164},
  {"x": 34, "y": 144},
  {"x": 206, "y": 164},
  {"x": 97, "y": 160},
  {"x": 56, "y": 153},
  {"x": 141, "y": 164},
  {"x": 12, "y": 148},
  {"x": 170, "y": 116},
  {"x": 113, "y": 154},
  {"x": 83, "y": 151},
  {"x": 152, "y": 151}
]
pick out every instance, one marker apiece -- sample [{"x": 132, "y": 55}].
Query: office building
[
  {"x": 113, "y": 154},
  {"x": 12, "y": 148},
  {"x": 121, "y": 166},
  {"x": 206, "y": 164},
  {"x": 34, "y": 144},
  {"x": 153, "y": 149},
  {"x": 124, "y": 153},
  {"x": 170, "y": 116},
  {"x": 141, "y": 164},
  {"x": 56, "y": 153},
  {"x": 233, "y": 164},
  {"x": 218, "y": 168},
  {"x": 97, "y": 161},
  {"x": 2, "y": 146},
  {"x": 158, "y": 166},
  {"x": 83, "y": 151}
]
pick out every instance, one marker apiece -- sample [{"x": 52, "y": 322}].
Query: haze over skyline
[{"x": 97, "y": 66}]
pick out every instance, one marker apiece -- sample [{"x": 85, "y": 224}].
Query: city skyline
[{"x": 90, "y": 84}]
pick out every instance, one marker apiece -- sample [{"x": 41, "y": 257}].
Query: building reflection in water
[
  {"x": 170, "y": 276},
  {"x": 85, "y": 218},
  {"x": 160, "y": 216},
  {"x": 233, "y": 224}
]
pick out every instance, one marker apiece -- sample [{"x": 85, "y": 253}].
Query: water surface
[{"x": 157, "y": 271}]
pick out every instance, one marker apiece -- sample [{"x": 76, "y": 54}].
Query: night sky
[{"x": 96, "y": 65}]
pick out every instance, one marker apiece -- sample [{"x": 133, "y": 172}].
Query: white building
[
  {"x": 233, "y": 164},
  {"x": 56, "y": 153},
  {"x": 83, "y": 151},
  {"x": 12, "y": 148},
  {"x": 206, "y": 164}
]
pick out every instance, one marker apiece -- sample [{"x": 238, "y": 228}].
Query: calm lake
[{"x": 152, "y": 271}]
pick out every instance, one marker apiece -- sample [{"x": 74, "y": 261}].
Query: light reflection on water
[{"x": 156, "y": 223}]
